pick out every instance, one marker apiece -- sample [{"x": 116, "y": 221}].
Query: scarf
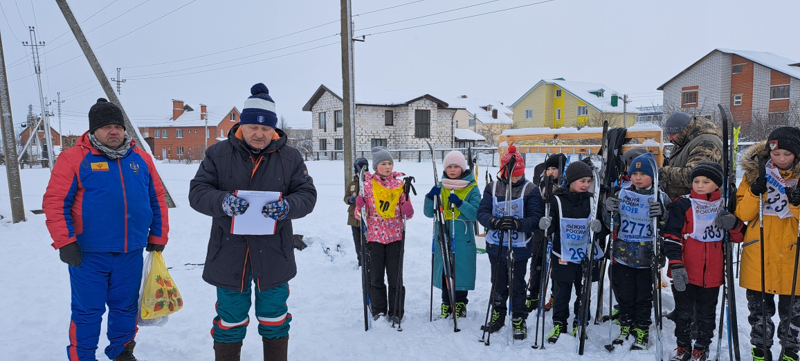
[
  {"x": 108, "y": 152},
  {"x": 454, "y": 184}
]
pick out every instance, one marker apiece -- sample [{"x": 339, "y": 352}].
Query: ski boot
[
  {"x": 760, "y": 354},
  {"x": 681, "y": 354},
  {"x": 127, "y": 353},
  {"x": 461, "y": 310},
  {"x": 615, "y": 314},
  {"x": 548, "y": 305},
  {"x": 576, "y": 329},
  {"x": 552, "y": 336},
  {"x": 496, "y": 323},
  {"x": 446, "y": 311},
  {"x": 520, "y": 328},
  {"x": 624, "y": 332},
  {"x": 788, "y": 355},
  {"x": 699, "y": 353},
  {"x": 531, "y": 304},
  {"x": 378, "y": 315},
  {"x": 642, "y": 337}
]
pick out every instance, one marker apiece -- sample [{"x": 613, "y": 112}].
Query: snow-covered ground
[{"x": 325, "y": 303}]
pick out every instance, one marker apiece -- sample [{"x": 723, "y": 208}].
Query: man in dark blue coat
[{"x": 254, "y": 157}]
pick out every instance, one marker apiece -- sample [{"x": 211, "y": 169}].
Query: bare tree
[{"x": 492, "y": 133}]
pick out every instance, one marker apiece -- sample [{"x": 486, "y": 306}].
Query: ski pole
[
  {"x": 610, "y": 345},
  {"x": 762, "y": 175},
  {"x": 796, "y": 245},
  {"x": 400, "y": 291},
  {"x": 545, "y": 265}
]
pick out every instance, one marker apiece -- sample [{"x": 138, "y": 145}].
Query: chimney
[
  {"x": 494, "y": 113},
  {"x": 177, "y": 108},
  {"x": 203, "y": 114}
]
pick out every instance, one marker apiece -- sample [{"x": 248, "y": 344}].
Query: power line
[
  {"x": 461, "y": 18},
  {"x": 9, "y": 24},
  {"x": 428, "y": 15},
  {"x": 87, "y": 19}
]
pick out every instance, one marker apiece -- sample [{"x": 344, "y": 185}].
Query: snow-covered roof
[
  {"x": 767, "y": 59},
  {"x": 588, "y": 93},
  {"x": 379, "y": 97},
  {"x": 480, "y": 108},
  {"x": 638, "y": 127},
  {"x": 189, "y": 118},
  {"x": 466, "y": 134}
]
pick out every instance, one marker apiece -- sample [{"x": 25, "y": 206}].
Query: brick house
[
  {"x": 182, "y": 136},
  {"x": 755, "y": 85},
  {"x": 38, "y": 145},
  {"x": 392, "y": 119}
]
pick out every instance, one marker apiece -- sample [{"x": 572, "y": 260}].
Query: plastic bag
[
  {"x": 159, "y": 295},
  {"x": 161, "y": 321}
]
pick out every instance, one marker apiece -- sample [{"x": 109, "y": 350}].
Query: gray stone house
[{"x": 396, "y": 120}]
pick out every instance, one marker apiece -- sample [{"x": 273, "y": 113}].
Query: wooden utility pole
[
  {"x": 348, "y": 92},
  {"x": 101, "y": 77},
  {"x": 10, "y": 145}
]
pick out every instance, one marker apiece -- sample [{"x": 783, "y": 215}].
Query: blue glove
[
  {"x": 277, "y": 211},
  {"x": 434, "y": 192},
  {"x": 234, "y": 206},
  {"x": 453, "y": 198},
  {"x": 352, "y": 199}
]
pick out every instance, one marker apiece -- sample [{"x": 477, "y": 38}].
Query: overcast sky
[{"x": 210, "y": 51}]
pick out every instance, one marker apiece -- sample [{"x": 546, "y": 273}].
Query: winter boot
[
  {"x": 552, "y": 336},
  {"x": 576, "y": 329},
  {"x": 699, "y": 353},
  {"x": 461, "y": 310},
  {"x": 642, "y": 336},
  {"x": 127, "y": 353},
  {"x": 276, "y": 349},
  {"x": 531, "y": 303},
  {"x": 446, "y": 311},
  {"x": 548, "y": 305},
  {"x": 520, "y": 328},
  {"x": 788, "y": 355},
  {"x": 681, "y": 354},
  {"x": 497, "y": 321},
  {"x": 377, "y": 316},
  {"x": 624, "y": 332},
  {"x": 227, "y": 351},
  {"x": 760, "y": 354},
  {"x": 615, "y": 312}
]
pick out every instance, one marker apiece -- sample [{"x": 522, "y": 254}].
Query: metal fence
[{"x": 407, "y": 154}]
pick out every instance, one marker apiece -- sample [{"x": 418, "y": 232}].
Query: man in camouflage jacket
[{"x": 695, "y": 140}]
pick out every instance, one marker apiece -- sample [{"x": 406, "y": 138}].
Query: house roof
[
  {"x": 769, "y": 60},
  {"x": 379, "y": 97},
  {"x": 466, "y": 134},
  {"x": 189, "y": 118},
  {"x": 479, "y": 108},
  {"x": 586, "y": 92}
]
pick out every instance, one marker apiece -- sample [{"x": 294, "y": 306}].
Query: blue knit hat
[
  {"x": 361, "y": 162},
  {"x": 643, "y": 163},
  {"x": 259, "y": 108}
]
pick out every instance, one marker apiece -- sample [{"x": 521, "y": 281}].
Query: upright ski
[
  {"x": 655, "y": 270},
  {"x": 443, "y": 241},
  {"x": 364, "y": 267}
]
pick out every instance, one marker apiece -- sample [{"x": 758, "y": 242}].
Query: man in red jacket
[{"x": 104, "y": 204}]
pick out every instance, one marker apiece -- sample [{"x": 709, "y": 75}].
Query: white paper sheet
[{"x": 252, "y": 222}]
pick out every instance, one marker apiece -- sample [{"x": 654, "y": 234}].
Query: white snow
[
  {"x": 466, "y": 134},
  {"x": 769, "y": 60},
  {"x": 325, "y": 301},
  {"x": 479, "y": 109}
]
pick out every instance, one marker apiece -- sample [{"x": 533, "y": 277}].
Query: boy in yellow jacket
[{"x": 781, "y": 208}]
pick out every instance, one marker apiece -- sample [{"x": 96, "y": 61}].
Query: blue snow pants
[
  {"x": 231, "y": 322},
  {"x": 104, "y": 278}
]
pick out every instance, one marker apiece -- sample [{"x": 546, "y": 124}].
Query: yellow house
[{"x": 559, "y": 103}]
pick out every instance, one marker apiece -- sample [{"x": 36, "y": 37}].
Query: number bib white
[
  {"x": 634, "y": 216},
  {"x": 574, "y": 237},
  {"x": 517, "y": 211},
  {"x": 777, "y": 203},
  {"x": 705, "y": 213}
]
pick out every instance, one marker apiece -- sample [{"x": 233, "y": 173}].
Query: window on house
[
  {"x": 323, "y": 144},
  {"x": 233, "y": 116},
  {"x": 322, "y": 117},
  {"x": 779, "y": 92},
  {"x": 422, "y": 123},
  {"x": 222, "y": 133},
  {"x": 164, "y": 133},
  {"x": 179, "y": 151},
  {"x": 528, "y": 113},
  {"x": 737, "y": 99},
  {"x": 388, "y": 117},
  {"x": 338, "y": 120},
  {"x": 338, "y": 144},
  {"x": 737, "y": 69},
  {"x": 207, "y": 131},
  {"x": 558, "y": 93},
  {"x": 583, "y": 110},
  {"x": 178, "y": 133},
  {"x": 157, "y": 133},
  {"x": 378, "y": 143},
  {"x": 558, "y": 113},
  {"x": 689, "y": 98},
  {"x": 471, "y": 121},
  {"x": 777, "y": 118}
]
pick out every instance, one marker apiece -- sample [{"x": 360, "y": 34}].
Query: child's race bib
[
  {"x": 705, "y": 213},
  {"x": 385, "y": 199},
  {"x": 634, "y": 216},
  {"x": 777, "y": 204}
]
